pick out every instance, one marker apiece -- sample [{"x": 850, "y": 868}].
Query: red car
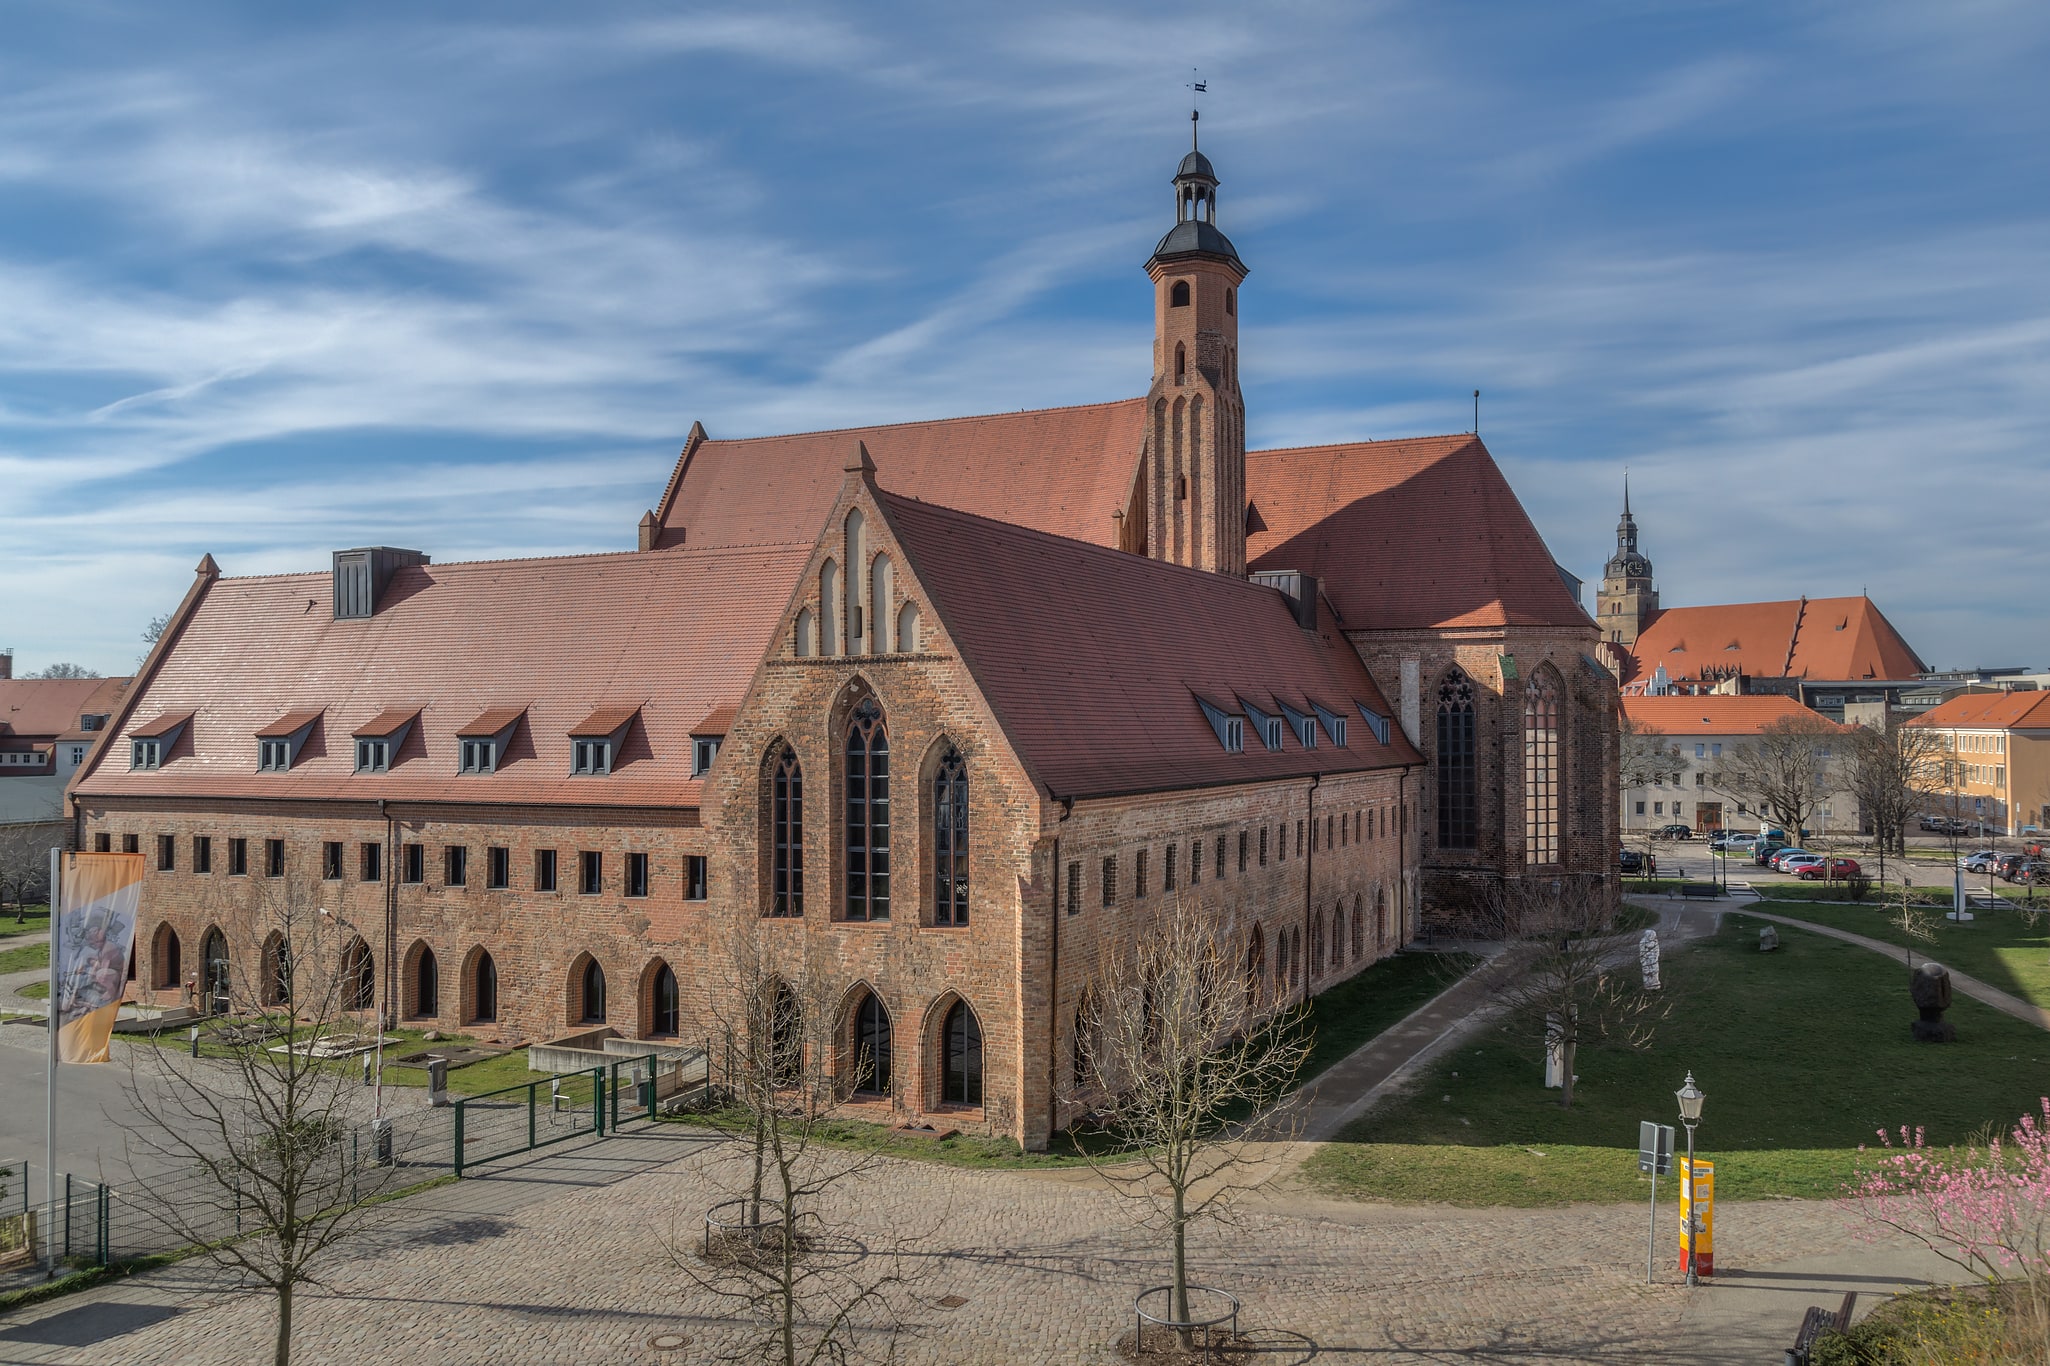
[{"x": 1831, "y": 868}]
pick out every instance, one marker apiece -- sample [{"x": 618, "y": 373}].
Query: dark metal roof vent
[
  {"x": 362, "y": 574},
  {"x": 1299, "y": 588}
]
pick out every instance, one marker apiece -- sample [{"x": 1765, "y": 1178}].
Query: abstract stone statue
[
  {"x": 1648, "y": 958},
  {"x": 1930, "y": 986},
  {"x": 1768, "y": 939}
]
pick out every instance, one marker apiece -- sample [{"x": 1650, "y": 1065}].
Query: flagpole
[{"x": 50, "y": 1091}]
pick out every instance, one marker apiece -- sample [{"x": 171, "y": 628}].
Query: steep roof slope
[
  {"x": 1830, "y": 639},
  {"x": 1060, "y": 470},
  {"x": 673, "y": 633},
  {"x": 1092, "y": 659},
  {"x": 1711, "y": 715},
  {"x": 45, "y": 708},
  {"x": 1990, "y": 711},
  {"x": 1409, "y": 534}
]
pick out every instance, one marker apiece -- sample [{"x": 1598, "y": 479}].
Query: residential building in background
[
  {"x": 1706, "y": 786},
  {"x": 1996, "y": 759}
]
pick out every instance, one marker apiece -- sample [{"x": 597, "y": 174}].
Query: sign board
[
  {"x": 1697, "y": 1217},
  {"x": 1654, "y": 1148}
]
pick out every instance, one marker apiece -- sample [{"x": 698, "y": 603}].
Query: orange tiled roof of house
[
  {"x": 1066, "y": 471},
  {"x": 50, "y": 708},
  {"x": 1990, "y": 711},
  {"x": 1408, "y": 534},
  {"x": 1092, "y": 659},
  {"x": 1712, "y": 714},
  {"x": 552, "y": 640},
  {"x": 1827, "y": 639}
]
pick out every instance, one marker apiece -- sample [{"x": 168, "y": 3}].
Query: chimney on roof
[
  {"x": 1299, "y": 588},
  {"x": 361, "y": 576},
  {"x": 649, "y": 529}
]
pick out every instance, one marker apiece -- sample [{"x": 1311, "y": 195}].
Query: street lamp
[{"x": 1690, "y": 1097}]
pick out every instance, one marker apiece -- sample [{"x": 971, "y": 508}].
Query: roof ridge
[
  {"x": 591, "y": 555},
  {"x": 919, "y": 422},
  {"x": 1370, "y": 441}
]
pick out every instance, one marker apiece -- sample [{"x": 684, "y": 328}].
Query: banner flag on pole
[{"x": 91, "y": 937}]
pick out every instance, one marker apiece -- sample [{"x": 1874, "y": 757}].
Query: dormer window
[
  {"x": 484, "y": 741},
  {"x": 1272, "y": 727},
  {"x": 703, "y": 750},
  {"x": 379, "y": 740},
  {"x": 281, "y": 742},
  {"x": 1303, "y": 724},
  {"x": 1376, "y": 722},
  {"x": 480, "y": 756},
  {"x": 151, "y": 745},
  {"x": 147, "y": 754},
  {"x": 707, "y": 735},
  {"x": 1266, "y": 725},
  {"x": 1230, "y": 730},
  {"x": 595, "y": 745},
  {"x": 273, "y": 756},
  {"x": 1334, "y": 724}
]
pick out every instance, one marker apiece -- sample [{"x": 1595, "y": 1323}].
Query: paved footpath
[{"x": 2004, "y": 1002}]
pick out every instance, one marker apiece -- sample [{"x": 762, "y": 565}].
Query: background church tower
[
  {"x": 1193, "y": 478},
  {"x": 1628, "y": 600}
]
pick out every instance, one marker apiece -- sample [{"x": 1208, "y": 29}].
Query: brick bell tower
[
  {"x": 1629, "y": 599},
  {"x": 1193, "y": 475}
]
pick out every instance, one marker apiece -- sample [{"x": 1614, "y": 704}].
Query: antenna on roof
[{"x": 1476, "y": 412}]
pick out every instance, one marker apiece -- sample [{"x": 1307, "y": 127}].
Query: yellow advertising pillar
[{"x": 1697, "y": 1216}]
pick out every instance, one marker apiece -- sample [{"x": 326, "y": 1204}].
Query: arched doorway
[
  {"x": 664, "y": 1013},
  {"x": 591, "y": 992},
  {"x": 213, "y": 954},
  {"x": 961, "y": 1057},
  {"x": 872, "y": 1051},
  {"x": 359, "y": 977},
  {"x": 169, "y": 971},
  {"x": 483, "y": 989},
  {"x": 426, "y": 983}
]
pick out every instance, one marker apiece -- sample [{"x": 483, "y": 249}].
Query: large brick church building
[{"x": 970, "y": 700}]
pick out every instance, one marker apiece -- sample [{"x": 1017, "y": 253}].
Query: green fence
[{"x": 520, "y": 1118}]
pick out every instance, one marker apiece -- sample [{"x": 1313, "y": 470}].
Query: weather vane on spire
[{"x": 1198, "y": 87}]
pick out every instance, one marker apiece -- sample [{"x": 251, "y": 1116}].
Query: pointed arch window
[
  {"x": 961, "y": 1057},
  {"x": 1458, "y": 785},
  {"x": 591, "y": 990},
  {"x": 664, "y": 1015},
  {"x": 857, "y": 556},
  {"x": 1178, "y": 297},
  {"x": 1541, "y": 769},
  {"x": 484, "y": 989},
  {"x": 277, "y": 971},
  {"x": 359, "y": 977},
  {"x": 1181, "y": 362},
  {"x": 950, "y": 839},
  {"x": 907, "y": 628},
  {"x": 829, "y": 608},
  {"x": 871, "y": 1047},
  {"x": 786, "y": 833},
  {"x": 802, "y": 642},
  {"x": 786, "y": 1036},
  {"x": 213, "y": 958},
  {"x": 881, "y": 591},
  {"x": 868, "y": 814},
  {"x": 426, "y": 984}
]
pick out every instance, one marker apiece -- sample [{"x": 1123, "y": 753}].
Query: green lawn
[
  {"x": 26, "y": 956},
  {"x": 36, "y": 920},
  {"x": 1357, "y": 1009},
  {"x": 2006, "y": 949},
  {"x": 1804, "y": 1054},
  {"x": 479, "y": 1077},
  {"x": 34, "y": 991}
]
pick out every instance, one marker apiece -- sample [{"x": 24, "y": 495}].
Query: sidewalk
[{"x": 1993, "y": 996}]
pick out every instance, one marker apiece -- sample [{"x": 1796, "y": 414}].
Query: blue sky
[{"x": 280, "y": 279}]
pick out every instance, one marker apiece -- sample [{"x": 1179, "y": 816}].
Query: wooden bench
[
  {"x": 1816, "y": 1323},
  {"x": 1700, "y": 891}
]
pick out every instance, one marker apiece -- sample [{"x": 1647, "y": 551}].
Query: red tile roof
[
  {"x": 718, "y": 721},
  {"x": 1990, "y": 711},
  {"x": 390, "y": 721},
  {"x": 1826, "y": 639},
  {"x": 1092, "y": 659},
  {"x": 1711, "y": 715},
  {"x": 50, "y": 707},
  {"x": 1416, "y": 533},
  {"x": 159, "y": 726},
  {"x": 292, "y": 722},
  {"x": 683, "y": 628},
  {"x": 1062, "y": 470},
  {"x": 492, "y": 721}
]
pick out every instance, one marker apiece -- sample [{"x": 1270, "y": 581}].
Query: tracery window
[
  {"x": 961, "y": 1057},
  {"x": 950, "y": 840},
  {"x": 786, "y": 835},
  {"x": 868, "y": 814},
  {"x": 1541, "y": 769},
  {"x": 871, "y": 1047},
  {"x": 1458, "y": 786}
]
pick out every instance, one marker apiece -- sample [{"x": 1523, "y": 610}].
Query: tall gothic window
[
  {"x": 950, "y": 840},
  {"x": 961, "y": 1049},
  {"x": 1541, "y": 769},
  {"x": 663, "y": 1014},
  {"x": 786, "y": 833},
  {"x": 868, "y": 814},
  {"x": 1458, "y": 787},
  {"x": 359, "y": 977},
  {"x": 871, "y": 1047}
]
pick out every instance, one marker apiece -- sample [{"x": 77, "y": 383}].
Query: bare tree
[
  {"x": 1180, "y": 1055},
  {"x": 1891, "y": 770},
  {"x": 1791, "y": 768},
  {"x": 24, "y": 865},
  {"x": 65, "y": 671},
  {"x": 815, "y": 1297},
  {"x": 1565, "y": 977},
  {"x": 151, "y": 634},
  {"x": 264, "y": 1179},
  {"x": 1648, "y": 758}
]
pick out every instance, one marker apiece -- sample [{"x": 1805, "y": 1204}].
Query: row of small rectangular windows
[
  {"x": 455, "y": 864},
  {"x": 1339, "y": 831},
  {"x": 587, "y": 757},
  {"x": 1272, "y": 728}
]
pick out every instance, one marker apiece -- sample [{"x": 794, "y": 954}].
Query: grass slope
[
  {"x": 1804, "y": 1054},
  {"x": 2006, "y": 949}
]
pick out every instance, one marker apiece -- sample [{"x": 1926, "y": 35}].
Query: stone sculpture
[
  {"x": 1768, "y": 939},
  {"x": 1648, "y": 958},
  {"x": 1930, "y": 987}
]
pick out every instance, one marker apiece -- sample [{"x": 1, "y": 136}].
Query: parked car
[
  {"x": 1765, "y": 847},
  {"x": 2034, "y": 873},
  {"x": 2013, "y": 866},
  {"x": 1742, "y": 840},
  {"x": 1794, "y": 863},
  {"x": 1980, "y": 862},
  {"x": 1631, "y": 861},
  {"x": 1827, "y": 868},
  {"x": 1673, "y": 832},
  {"x": 1778, "y": 858}
]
